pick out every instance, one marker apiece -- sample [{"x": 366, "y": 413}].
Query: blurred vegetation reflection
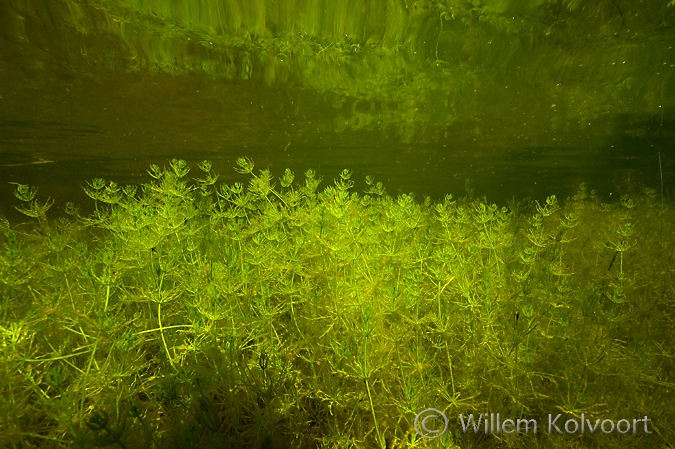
[{"x": 413, "y": 65}]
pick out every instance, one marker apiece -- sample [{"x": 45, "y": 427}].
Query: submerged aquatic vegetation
[{"x": 183, "y": 313}]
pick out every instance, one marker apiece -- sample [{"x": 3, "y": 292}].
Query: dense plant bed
[{"x": 184, "y": 313}]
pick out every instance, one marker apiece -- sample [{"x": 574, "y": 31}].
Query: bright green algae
[{"x": 188, "y": 313}]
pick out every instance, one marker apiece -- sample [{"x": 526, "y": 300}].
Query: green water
[{"x": 271, "y": 224}]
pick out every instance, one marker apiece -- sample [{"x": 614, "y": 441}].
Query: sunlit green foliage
[{"x": 187, "y": 313}]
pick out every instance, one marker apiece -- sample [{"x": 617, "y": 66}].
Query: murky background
[{"x": 63, "y": 122}]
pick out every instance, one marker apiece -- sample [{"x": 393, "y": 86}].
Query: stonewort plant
[{"x": 188, "y": 313}]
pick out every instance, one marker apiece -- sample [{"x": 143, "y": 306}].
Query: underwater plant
[{"x": 187, "y": 313}]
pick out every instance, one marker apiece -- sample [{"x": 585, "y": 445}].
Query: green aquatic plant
[
  {"x": 34, "y": 208},
  {"x": 275, "y": 313}
]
